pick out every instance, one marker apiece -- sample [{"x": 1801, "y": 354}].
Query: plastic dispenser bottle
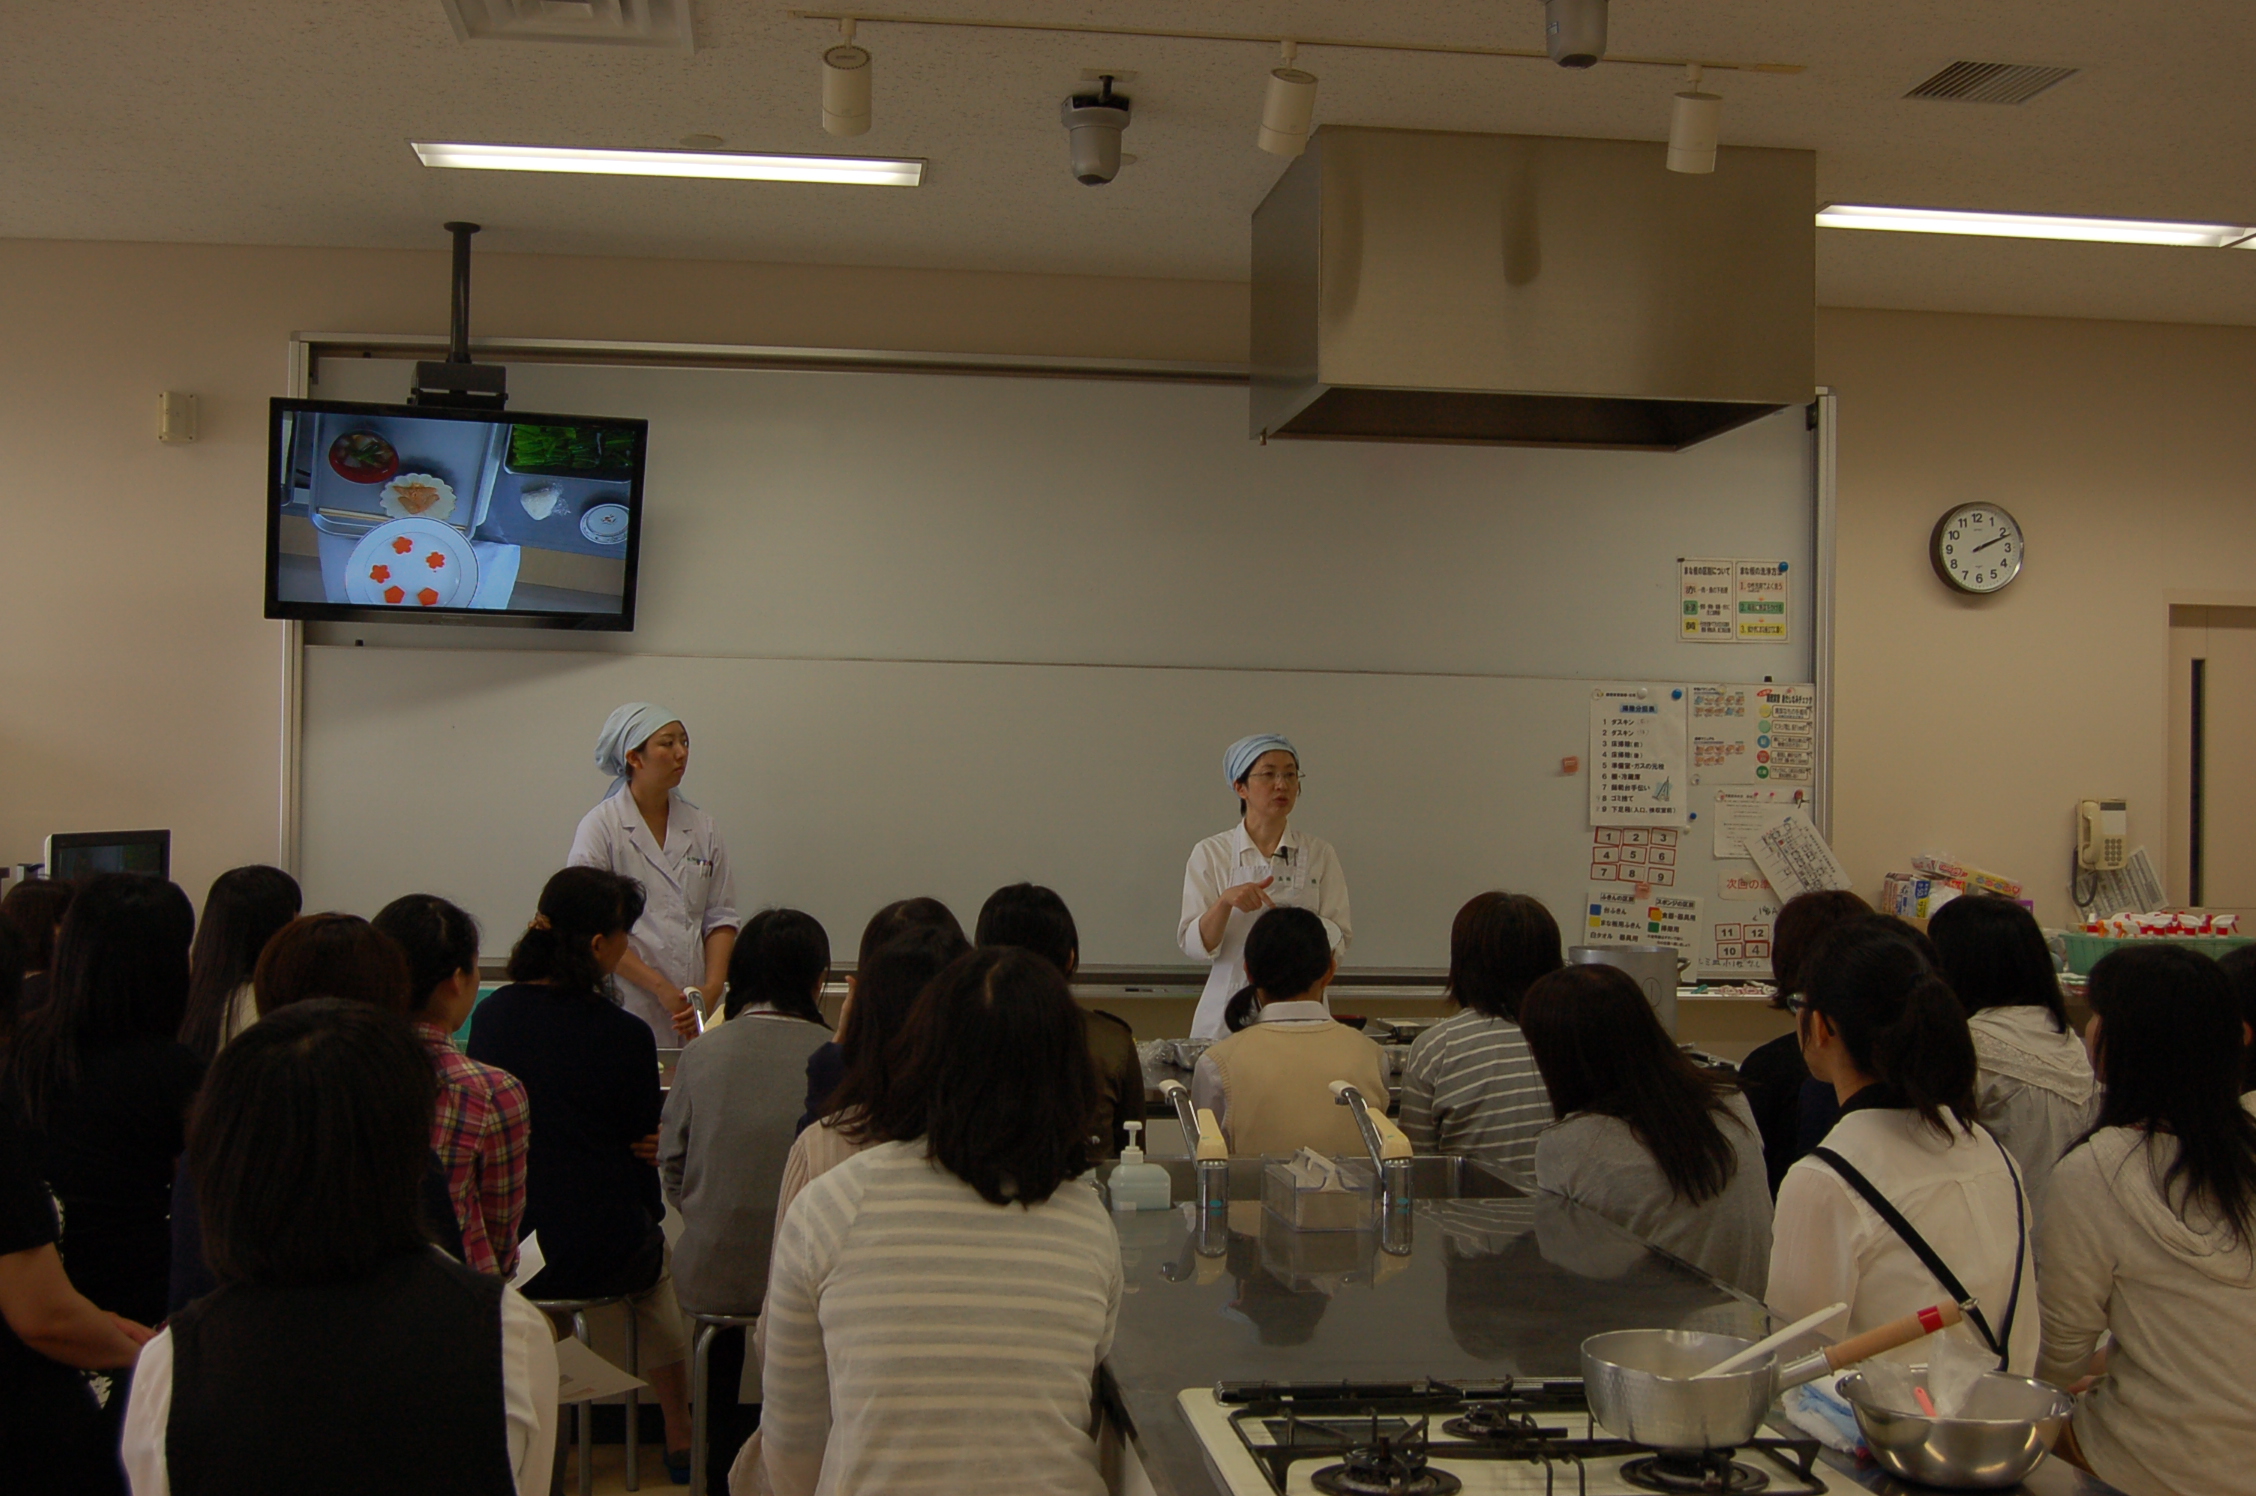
[{"x": 1135, "y": 1184}]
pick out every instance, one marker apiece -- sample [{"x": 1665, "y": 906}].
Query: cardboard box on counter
[
  {"x": 1963, "y": 878},
  {"x": 1914, "y": 895}
]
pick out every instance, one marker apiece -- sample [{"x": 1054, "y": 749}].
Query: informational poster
[
  {"x": 1740, "y": 941},
  {"x": 1720, "y": 728},
  {"x": 1634, "y": 854},
  {"x": 1637, "y": 771},
  {"x": 1740, "y": 815},
  {"x": 1623, "y": 916},
  {"x": 1711, "y": 595},
  {"x": 1759, "y": 601},
  {"x": 1795, "y": 858},
  {"x": 1785, "y": 724},
  {"x": 1744, "y": 885}
]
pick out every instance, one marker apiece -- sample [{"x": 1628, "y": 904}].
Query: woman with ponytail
[
  {"x": 1269, "y": 1084},
  {"x": 1908, "y": 1202},
  {"x": 590, "y": 1072},
  {"x": 2150, "y": 1234}
]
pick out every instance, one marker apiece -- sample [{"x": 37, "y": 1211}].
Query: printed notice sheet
[
  {"x": 1710, "y": 599},
  {"x": 1785, "y": 734},
  {"x": 1759, "y": 595},
  {"x": 1740, "y": 941},
  {"x": 1633, "y": 854},
  {"x": 1795, "y": 858},
  {"x": 2134, "y": 888},
  {"x": 1622, "y": 916},
  {"x": 1741, "y": 814},
  {"x": 1637, "y": 773},
  {"x": 1721, "y": 729}
]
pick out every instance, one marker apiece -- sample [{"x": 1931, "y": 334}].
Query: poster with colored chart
[{"x": 1620, "y": 914}]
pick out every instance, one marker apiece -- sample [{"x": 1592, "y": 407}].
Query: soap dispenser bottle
[{"x": 1135, "y": 1184}]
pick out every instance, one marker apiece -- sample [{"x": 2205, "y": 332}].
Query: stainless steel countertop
[{"x": 1491, "y": 1288}]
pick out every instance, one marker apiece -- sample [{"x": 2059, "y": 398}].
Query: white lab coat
[
  {"x": 690, "y": 891},
  {"x": 1308, "y": 876}
]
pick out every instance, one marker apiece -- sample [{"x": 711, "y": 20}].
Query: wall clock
[{"x": 1976, "y": 548}]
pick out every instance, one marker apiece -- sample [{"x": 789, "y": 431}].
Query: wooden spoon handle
[{"x": 1892, "y": 1334}]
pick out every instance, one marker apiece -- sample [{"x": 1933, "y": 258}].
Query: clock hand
[{"x": 1985, "y": 545}]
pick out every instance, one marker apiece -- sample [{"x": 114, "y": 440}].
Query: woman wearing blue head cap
[
  {"x": 1255, "y": 865},
  {"x": 678, "y": 952}
]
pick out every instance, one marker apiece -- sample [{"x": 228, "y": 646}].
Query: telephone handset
[{"x": 2103, "y": 833}]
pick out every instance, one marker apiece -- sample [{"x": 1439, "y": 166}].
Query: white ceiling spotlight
[
  {"x": 745, "y": 166},
  {"x": 846, "y": 85},
  {"x": 1692, "y": 127},
  {"x": 1574, "y": 32},
  {"x": 1093, "y": 122},
  {"x": 2038, "y": 226},
  {"x": 1288, "y": 109}
]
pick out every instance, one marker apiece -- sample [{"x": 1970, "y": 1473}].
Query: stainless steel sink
[{"x": 1433, "y": 1176}]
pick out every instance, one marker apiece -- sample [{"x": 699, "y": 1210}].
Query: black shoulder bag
[{"x": 1951, "y": 1285}]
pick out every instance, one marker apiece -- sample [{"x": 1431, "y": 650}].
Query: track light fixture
[
  {"x": 1692, "y": 127},
  {"x": 1288, "y": 108},
  {"x": 846, "y": 85}
]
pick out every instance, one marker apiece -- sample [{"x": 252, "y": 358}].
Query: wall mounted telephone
[{"x": 2103, "y": 833}]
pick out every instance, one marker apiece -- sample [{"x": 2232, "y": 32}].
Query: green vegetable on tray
[{"x": 571, "y": 449}]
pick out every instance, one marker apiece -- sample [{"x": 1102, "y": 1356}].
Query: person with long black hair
[
  {"x": 1035, "y": 918},
  {"x": 959, "y": 1267},
  {"x": 1269, "y": 1083},
  {"x": 1774, "y": 1075},
  {"x": 826, "y": 1067},
  {"x": 590, "y": 1070},
  {"x": 242, "y": 912},
  {"x": 726, "y": 1130},
  {"x": 342, "y": 1353},
  {"x": 1908, "y": 1200},
  {"x": 36, "y": 908},
  {"x": 1645, "y": 1137},
  {"x": 101, "y": 1085},
  {"x": 2239, "y": 966},
  {"x": 2150, "y": 1235},
  {"x": 2033, "y": 1086}
]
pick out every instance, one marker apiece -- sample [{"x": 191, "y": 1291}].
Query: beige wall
[
  {"x": 140, "y": 687},
  {"x": 2128, "y": 453}
]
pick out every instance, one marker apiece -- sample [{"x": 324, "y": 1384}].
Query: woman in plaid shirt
[{"x": 479, "y": 1128}]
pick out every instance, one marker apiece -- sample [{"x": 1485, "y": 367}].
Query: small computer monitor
[{"x": 82, "y": 854}]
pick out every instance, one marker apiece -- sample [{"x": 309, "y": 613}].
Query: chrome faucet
[
  {"x": 1179, "y": 1095},
  {"x": 1210, "y": 1159},
  {"x": 1390, "y": 1156}
]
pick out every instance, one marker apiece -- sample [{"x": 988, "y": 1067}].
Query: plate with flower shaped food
[{"x": 412, "y": 563}]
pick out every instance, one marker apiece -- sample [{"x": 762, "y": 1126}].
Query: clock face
[{"x": 1976, "y": 548}]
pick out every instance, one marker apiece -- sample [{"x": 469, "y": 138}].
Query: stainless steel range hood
[{"x": 1411, "y": 285}]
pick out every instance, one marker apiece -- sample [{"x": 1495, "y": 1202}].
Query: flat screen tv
[{"x": 390, "y": 512}]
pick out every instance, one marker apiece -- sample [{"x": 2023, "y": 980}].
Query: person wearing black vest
[{"x": 342, "y": 1352}]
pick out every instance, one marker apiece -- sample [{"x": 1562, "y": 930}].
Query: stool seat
[
  {"x": 700, "y": 1409},
  {"x": 576, "y": 1310}
]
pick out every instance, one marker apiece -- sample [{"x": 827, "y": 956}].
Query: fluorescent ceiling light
[
  {"x": 863, "y": 171},
  {"x": 2036, "y": 226}
]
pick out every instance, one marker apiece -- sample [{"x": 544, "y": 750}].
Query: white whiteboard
[{"x": 936, "y": 633}]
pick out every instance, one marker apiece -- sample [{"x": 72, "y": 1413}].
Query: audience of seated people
[
  {"x": 34, "y": 909},
  {"x": 1269, "y": 1082},
  {"x": 339, "y": 1135},
  {"x": 1645, "y": 1137},
  {"x": 1469, "y": 1085}
]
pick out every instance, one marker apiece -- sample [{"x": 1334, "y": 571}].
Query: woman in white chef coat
[
  {"x": 1255, "y": 865},
  {"x": 678, "y": 952}
]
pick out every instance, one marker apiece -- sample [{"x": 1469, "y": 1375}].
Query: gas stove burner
[
  {"x": 1388, "y": 1476},
  {"x": 1488, "y": 1422},
  {"x": 1387, "y": 1466},
  {"x": 1714, "y": 1471}
]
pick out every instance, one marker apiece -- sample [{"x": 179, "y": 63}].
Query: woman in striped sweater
[{"x": 966, "y": 1225}]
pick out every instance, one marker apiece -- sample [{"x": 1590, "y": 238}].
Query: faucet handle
[
  {"x": 1342, "y": 1089},
  {"x": 1172, "y": 1088}
]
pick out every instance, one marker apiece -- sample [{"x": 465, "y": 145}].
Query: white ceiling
[{"x": 277, "y": 123}]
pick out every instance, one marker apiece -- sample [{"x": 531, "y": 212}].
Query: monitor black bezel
[
  {"x": 277, "y": 479},
  {"x": 64, "y": 841}
]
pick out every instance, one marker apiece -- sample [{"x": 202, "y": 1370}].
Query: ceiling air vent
[
  {"x": 1991, "y": 82},
  {"x": 602, "y": 23}
]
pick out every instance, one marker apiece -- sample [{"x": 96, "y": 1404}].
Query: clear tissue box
[{"x": 1342, "y": 1195}]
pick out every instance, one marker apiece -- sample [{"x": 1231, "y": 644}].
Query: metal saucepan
[
  {"x": 2012, "y": 1421},
  {"x": 1640, "y": 1383}
]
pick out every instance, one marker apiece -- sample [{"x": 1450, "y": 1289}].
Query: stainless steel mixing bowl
[
  {"x": 1639, "y": 1385},
  {"x": 2021, "y": 1417}
]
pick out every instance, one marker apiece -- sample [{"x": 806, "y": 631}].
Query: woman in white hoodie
[
  {"x": 2034, "y": 1088},
  {"x": 2151, "y": 1236}
]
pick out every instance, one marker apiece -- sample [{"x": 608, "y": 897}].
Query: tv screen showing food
[{"x": 397, "y": 511}]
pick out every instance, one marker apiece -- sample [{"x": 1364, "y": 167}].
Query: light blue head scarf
[
  {"x": 624, "y": 730},
  {"x": 1239, "y": 757}
]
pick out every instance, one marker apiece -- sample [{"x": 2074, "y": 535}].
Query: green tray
[{"x": 2084, "y": 951}]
